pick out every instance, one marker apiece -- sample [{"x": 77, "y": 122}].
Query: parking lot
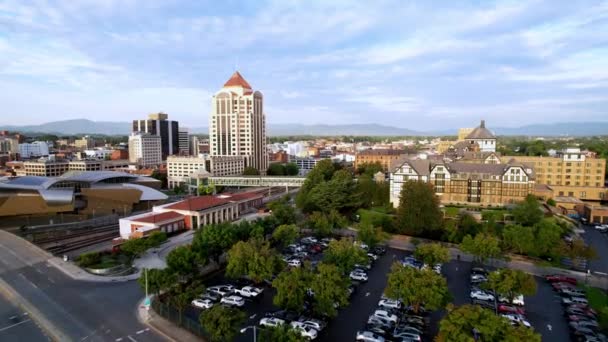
[
  {"x": 544, "y": 310},
  {"x": 599, "y": 241}
]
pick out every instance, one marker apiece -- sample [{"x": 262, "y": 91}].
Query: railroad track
[
  {"x": 60, "y": 249},
  {"x": 75, "y": 235}
]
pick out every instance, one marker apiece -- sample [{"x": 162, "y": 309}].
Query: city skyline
[{"x": 509, "y": 63}]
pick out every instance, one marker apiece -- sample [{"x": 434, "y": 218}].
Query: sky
[{"x": 414, "y": 64}]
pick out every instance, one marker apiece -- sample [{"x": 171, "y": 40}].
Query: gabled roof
[
  {"x": 481, "y": 132},
  {"x": 159, "y": 218},
  {"x": 237, "y": 80},
  {"x": 198, "y": 203}
]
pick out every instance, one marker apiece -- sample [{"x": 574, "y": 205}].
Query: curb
[
  {"x": 49, "y": 328},
  {"x": 146, "y": 321}
]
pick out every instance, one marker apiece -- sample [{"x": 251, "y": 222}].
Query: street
[
  {"x": 16, "y": 325},
  {"x": 75, "y": 310}
]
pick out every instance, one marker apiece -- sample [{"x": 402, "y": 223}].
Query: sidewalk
[
  {"x": 163, "y": 327},
  {"x": 77, "y": 273},
  {"x": 403, "y": 242}
]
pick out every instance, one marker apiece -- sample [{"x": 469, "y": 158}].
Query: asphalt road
[
  {"x": 16, "y": 324},
  {"x": 599, "y": 241},
  {"x": 82, "y": 311},
  {"x": 543, "y": 310}
]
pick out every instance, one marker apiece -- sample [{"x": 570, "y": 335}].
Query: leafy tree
[
  {"x": 432, "y": 253},
  {"x": 291, "y": 286},
  {"x": 285, "y": 234},
  {"x": 276, "y": 169},
  {"x": 369, "y": 169},
  {"x": 89, "y": 259},
  {"x": 418, "y": 212},
  {"x": 369, "y": 234},
  {"x": 282, "y": 211},
  {"x": 251, "y": 171},
  {"x": 482, "y": 247},
  {"x": 467, "y": 225},
  {"x": 548, "y": 238},
  {"x": 179, "y": 189},
  {"x": 253, "y": 258},
  {"x": 155, "y": 239},
  {"x": 324, "y": 223},
  {"x": 577, "y": 249},
  {"x": 330, "y": 287},
  {"x": 212, "y": 241},
  {"x": 222, "y": 323},
  {"x": 134, "y": 247},
  {"x": 206, "y": 189},
  {"x": 366, "y": 188},
  {"x": 337, "y": 194},
  {"x": 292, "y": 169},
  {"x": 322, "y": 172},
  {"x": 182, "y": 261},
  {"x": 416, "y": 287},
  {"x": 158, "y": 280},
  {"x": 181, "y": 300},
  {"x": 463, "y": 323},
  {"x": 510, "y": 283},
  {"x": 345, "y": 254},
  {"x": 551, "y": 202},
  {"x": 281, "y": 333},
  {"x": 528, "y": 212},
  {"x": 519, "y": 239}
]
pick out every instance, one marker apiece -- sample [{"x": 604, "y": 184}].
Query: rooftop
[
  {"x": 378, "y": 152},
  {"x": 198, "y": 203},
  {"x": 162, "y": 217},
  {"x": 237, "y": 80},
  {"x": 481, "y": 132}
]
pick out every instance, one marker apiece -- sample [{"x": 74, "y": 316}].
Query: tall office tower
[
  {"x": 237, "y": 124},
  {"x": 184, "y": 141},
  {"x": 160, "y": 125},
  {"x": 145, "y": 149}
]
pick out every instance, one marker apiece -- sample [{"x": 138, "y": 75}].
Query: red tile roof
[
  {"x": 198, "y": 203},
  {"x": 243, "y": 196},
  {"x": 162, "y": 217},
  {"x": 236, "y": 80}
]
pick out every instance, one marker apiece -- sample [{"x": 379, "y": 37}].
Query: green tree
[
  {"x": 551, "y": 202},
  {"x": 210, "y": 242},
  {"x": 432, "y": 253},
  {"x": 547, "y": 238},
  {"x": 281, "y": 333},
  {"x": 181, "y": 300},
  {"x": 417, "y": 287},
  {"x": 179, "y": 189},
  {"x": 369, "y": 169},
  {"x": 418, "y": 212},
  {"x": 366, "y": 188},
  {"x": 482, "y": 247},
  {"x": 337, "y": 194},
  {"x": 205, "y": 189},
  {"x": 182, "y": 261},
  {"x": 134, "y": 247},
  {"x": 88, "y": 259},
  {"x": 528, "y": 212},
  {"x": 577, "y": 249},
  {"x": 291, "y": 286},
  {"x": 251, "y": 171},
  {"x": 282, "y": 211},
  {"x": 292, "y": 169},
  {"x": 158, "y": 280},
  {"x": 222, "y": 323},
  {"x": 369, "y": 234},
  {"x": 510, "y": 283},
  {"x": 323, "y": 223},
  {"x": 330, "y": 287},
  {"x": 285, "y": 234},
  {"x": 276, "y": 169},
  {"x": 254, "y": 259},
  {"x": 322, "y": 172},
  {"x": 467, "y": 225},
  {"x": 155, "y": 239},
  {"x": 458, "y": 326},
  {"x": 345, "y": 254},
  {"x": 519, "y": 239}
]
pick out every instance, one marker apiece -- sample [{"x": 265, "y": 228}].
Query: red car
[
  {"x": 559, "y": 286},
  {"x": 510, "y": 309},
  {"x": 556, "y": 278}
]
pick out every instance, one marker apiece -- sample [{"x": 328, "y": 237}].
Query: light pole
[{"x": 254, "y": 331}]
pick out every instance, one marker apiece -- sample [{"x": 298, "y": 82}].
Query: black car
[
  {"x": 378, "y": 330},
  {"x": 479, "y": 270},
  {"x": 379, "y": 250},
  {"x": 483, "y": 303},
  {"x": 285, "y": 315}
]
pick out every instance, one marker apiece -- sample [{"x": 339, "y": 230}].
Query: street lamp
[{"x": 254, "y": 331}]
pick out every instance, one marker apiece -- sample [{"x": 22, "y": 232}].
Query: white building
[
  {"x": 298, "y": 149},
  {"x": 184, "y": 141},
  {"x": 483, "y": 137},
  {"x": 145, "y": 149},
  {"x": 99, "y": 153},
  {"x": 180, "y": 168},
  {"x": 34, "y": 150},
  {"x": 305, "y": 164},
  {"x": 237, "y": 124}
]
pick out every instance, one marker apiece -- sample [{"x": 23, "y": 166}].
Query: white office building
[
  {"x": 180, "y": 168},
  {"x": 184, "y": 141},
  {"x": 145, "y": 149},
  {"x": 36, "y": 149}
]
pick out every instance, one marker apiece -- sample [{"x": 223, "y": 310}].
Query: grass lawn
[
  {"x": 451, "y": 211},
  {"x": 598, "y": 300},
  {"x": 370, "y": 216}
]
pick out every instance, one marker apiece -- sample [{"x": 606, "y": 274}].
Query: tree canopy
[
  {"x": 528, "y": 212},
  {"x": 330, "y": 287},
  {"x": 418, "y": 213},
  {"x": 470, "y": 323},
  {"x": 292, "y": 285},
  {"x": 482, "y": 247},
  {"x": 369, "y": 234},
  {"x": 416, "y": 287},
  {"x": 323, "y": 223},
  {"x": 182, "y": 261},
  {"x": 432, "y": 253},
  {"x": 222, "y": 323},
  {"x": 254, "y": 259},
  {"x": 285, "y": 234},
  {"x": 519, "y": 239},
  {"x": 345, "y": 254},
  {"x": 281, "y": 333},
  {"x": 510, "y": 283},
  {"x": 282, "y": 211}
]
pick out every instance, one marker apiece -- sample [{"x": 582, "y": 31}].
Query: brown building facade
[{"x": 382, "y": 156}]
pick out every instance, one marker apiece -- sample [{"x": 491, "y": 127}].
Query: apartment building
[
  {"x": 158, "y": 124},
  {"x": 305, "y": 165},
  {"x": 227, "y": 165},
  {"x": 465, "y": 183},
  {"x": 179, "y": 169},
  {"x": 382, "y": 156},
  {"x": 46, "y": 167},
  {"x": 84, "y": 143},
  {"x": 184, "y": 141},
  {"x": 145, "y": 149},
  {"x": 85, "y": 165},
  {"x": 34, "y": 150},
  {"x": 237, "y": 124}
]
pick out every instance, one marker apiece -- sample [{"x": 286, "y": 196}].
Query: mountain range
[{"x": 85, "y": 126}]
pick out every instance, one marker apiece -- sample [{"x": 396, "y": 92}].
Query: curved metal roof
[{"x": 93, "y": 176}]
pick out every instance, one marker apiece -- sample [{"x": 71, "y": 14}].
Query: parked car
[
  {"x": 368, "y": 336},
  {"x": 222, "y": 290},
  {"x": 379, "y": 330},
  {"x": 483, "y": 303},
  {"x": 580, "y": 311},
  {"x": 560, "y": 286},
  {"x": 309, "y": 240},
  {"x": 479, "y": 270},
  {"x": 271, "y": 322},
  {"x": 233, "y": 301},
  {"x": 372, "y": 256},
  {"x": 517, "y": 319},
  {"x": 316, "y": 324},
  {"x": 593, "y": 325},
  {"x": 601, "y": 228},
  {"x": 379, "y": 250},
  {"x": 503, "y": 308},
  {"x": 283, "y": 315},
  {"x": 556, "y": 278},
  {"x": 478, "y": 278},
  {"x": 481, "y": 295},
  {"x": 304, "y": 330},
  {"x": 202, "y": 303},
  {"x": 386, "y": 315},
  {"x": 211, "y": 296},
  {"x": 363, "y": 267},
  {"x": 359, "y": 276},
  {"x": 389, "y": 304},
  {"x": 580, "y": 331},
  {"x": 408, "y": 328},
  {"x": 517, "y": 300},
  {"x": 408, "y": 336},
  {"x": 574, "y": 300},
  {"x": 294, "y": 263},
  {"x": 572, "y": 292},
  {"x": 249, "y": 291}
]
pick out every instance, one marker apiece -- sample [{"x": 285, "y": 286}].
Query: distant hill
[{"x": 84, "y": 126}]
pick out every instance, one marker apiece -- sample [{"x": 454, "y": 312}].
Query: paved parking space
[
  {"x": 599, "y": 241},
  {"x": 543, "y": 310}
]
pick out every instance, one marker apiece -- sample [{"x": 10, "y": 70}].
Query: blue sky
[{"x": 413, "y": 64}]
